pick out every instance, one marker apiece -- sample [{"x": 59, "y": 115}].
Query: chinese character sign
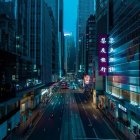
[{"x": 103, "y": 54}]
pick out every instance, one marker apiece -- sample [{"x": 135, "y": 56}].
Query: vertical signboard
[{"x": 103, "y": 55}]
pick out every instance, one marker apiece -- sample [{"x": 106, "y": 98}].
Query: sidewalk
[
  {"x": 112, "y": 125},
  {"x": 24, "y": 129},
  {"x": 21, "y": 132}
]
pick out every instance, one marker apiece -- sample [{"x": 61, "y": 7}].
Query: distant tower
[
  {"x": 57, "y": 8},
  {"x": 70, "y": 57},
  {"x": 85, "y": 9},
  {"x": 90, "y": 47}
]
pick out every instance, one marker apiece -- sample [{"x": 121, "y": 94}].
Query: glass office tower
[
  {"x": 123, "y": 81},
  {"x": 85, "y": 9}
]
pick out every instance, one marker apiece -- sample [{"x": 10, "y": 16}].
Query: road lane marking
[
  {"x": 105, "y": 122},
  {"x": 89, "y": 120},
  {"x": 90, "y": 124},
  {"x": 110, "y": 128},
  {"x": 95, "y": 116},
  {"x": 95, "y": 132}
]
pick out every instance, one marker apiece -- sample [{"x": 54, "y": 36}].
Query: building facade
[
  {"x": 54, "y": 47},
  {"x": 26, "y": 38},
  {"x": 90, "y": 50},
  {"x": 57, "y": 8},
  {"x": 123, "y": 81},
  {"x": 9, "y": 104},
  {"x": 70, "y": 57},
  {"x": 53, "y": 5},
  {"x": 101, "y": 17},
  {"x": 85, "y": 8}
]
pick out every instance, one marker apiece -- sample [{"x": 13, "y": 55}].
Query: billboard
[{"x": 103, "y": 54}]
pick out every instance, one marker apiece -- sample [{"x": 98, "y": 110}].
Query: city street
[
  {"x": 69, "y": 70},
  {"x": 71, "y": 116}
]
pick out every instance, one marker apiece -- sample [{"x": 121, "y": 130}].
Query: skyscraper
[
  {"x": 53, "y": 5},
  {"x": 85, "y": 8},
  {"x": 70, "y": 57},
  {"x": 101, "y": 28},
  {"x": 26, "y": 37},
  {"x": 57, "y": 8},
  {"x": 40, "y": 37},
  {"x": 123, "y": 80},
  {"x": 90, "y": 48}
]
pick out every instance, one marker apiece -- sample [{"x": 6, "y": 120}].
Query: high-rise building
[
  {"x": 61, "y": 37},
  {"x": 123, "y": 80},
  {"x": 101, "y": 17},
  {"x": 70, "y": 57},
  {"x": 7, "y": 41},
  {"x": 24, "y": 61},
  {"x": 54, "y": 47},
  {"x": 26, "y": 38},
  {"x": 53, "y": 5},
  {"x": 9, "y": 104},
  {"x": 85, "y": 8},
  {"x": 8, "y": 55},
  {"x": 90, "y": 49},
  {"x": 40, "y": 37},
  {"x": 57, "y": 8}
]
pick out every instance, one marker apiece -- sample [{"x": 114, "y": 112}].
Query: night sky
[{"x": 70, "y": 16}]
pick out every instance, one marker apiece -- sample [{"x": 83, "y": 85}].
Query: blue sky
[{"x": 70, "y": 16}]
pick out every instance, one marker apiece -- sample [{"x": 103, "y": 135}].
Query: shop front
[
  {"x": 135, "y": 123},
  {"x": 101, "y": 101},
  {"x": 123, "y": 115},
  {"x": 111, "y": 108},
  {"x": 44, "y": 95}
]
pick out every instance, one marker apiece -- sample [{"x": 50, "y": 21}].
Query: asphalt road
[
  {"x": 74, "y": 118},
  {"x": 49, "y": 127},
  {"x": 94, "y": 123}
]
